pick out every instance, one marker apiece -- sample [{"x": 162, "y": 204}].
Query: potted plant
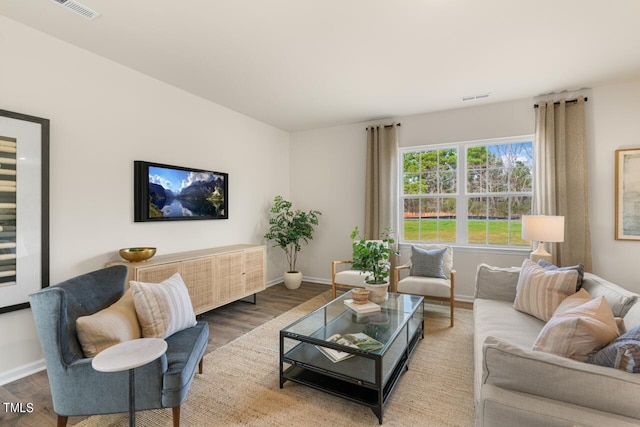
[
  {"x": 371, "y": 257},
  {"x": 288, "y": 228}
]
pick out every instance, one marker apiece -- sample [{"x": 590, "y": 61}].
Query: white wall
[
  {"x": 328, "y": 169},
  {"x": 103, "y": 117},
  {"x": 616, "y": 110}
]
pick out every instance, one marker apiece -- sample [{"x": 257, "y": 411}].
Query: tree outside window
[{"x": 497, "y": 191}]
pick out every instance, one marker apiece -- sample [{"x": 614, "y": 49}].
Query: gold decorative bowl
[
  {"x": 360, "y": 296},
  {"x": 137, "y": 254}
]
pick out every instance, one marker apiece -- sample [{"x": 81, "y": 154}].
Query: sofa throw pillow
[
  {"x": 577, "y": 331},
  {"x": 579, "y": 268},
  {"x": 540, "y": 292},
  {"x": 622, "y": 353},
  {"x": 496, "y": 282},
  {"x": 427, "y": 263},
  {"x": 163, "y": 308},
  {"x": 108, "y": 327}
]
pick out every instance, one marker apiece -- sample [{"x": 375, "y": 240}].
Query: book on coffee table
[
  {"x": 358, "y": 340},
  {"x": 368, "y": 307}
]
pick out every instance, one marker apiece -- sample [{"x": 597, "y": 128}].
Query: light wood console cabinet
[{"x": 214, "y": 277}]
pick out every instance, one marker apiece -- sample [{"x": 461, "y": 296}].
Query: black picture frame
[
  {"x": 174, "y": 193},
  {"x": 31, "y": 209}
]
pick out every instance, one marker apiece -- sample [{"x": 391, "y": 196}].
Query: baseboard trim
[
  {"x": 304, "y": 279},
  {"x": 21, "y": 372}
]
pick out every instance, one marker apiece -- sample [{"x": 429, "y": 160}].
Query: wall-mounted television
[{"x": 173, "y": 193}]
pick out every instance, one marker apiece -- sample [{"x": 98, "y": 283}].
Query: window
[{"x": 467, "y": 193}]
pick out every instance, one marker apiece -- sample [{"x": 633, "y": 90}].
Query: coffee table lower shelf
[{"x": 349, "y": 389}]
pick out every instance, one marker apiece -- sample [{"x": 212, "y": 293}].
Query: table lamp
[{"x": 542, "y": 228}]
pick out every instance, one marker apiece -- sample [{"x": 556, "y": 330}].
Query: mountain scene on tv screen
[{"x": 175, "y": 193}]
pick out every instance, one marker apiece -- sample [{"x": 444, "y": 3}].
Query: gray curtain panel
[
  {"x": 561, "y": 177},
  {"x": 381, "y": 197}
]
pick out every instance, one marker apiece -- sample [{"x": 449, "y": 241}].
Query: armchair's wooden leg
[
  {"x": 200, "y": 365},
  {"x": 176, "y": 416},
  {"x": 452, "y": 303},
  {"x": 62, "y": 421},
  {"x": 453, "y": 293}
]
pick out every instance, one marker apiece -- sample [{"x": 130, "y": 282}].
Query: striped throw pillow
[
  {"x": 540, "y": 292},
  {"x": 163, "y": 308},
  {"x": 576, "y": 332}
]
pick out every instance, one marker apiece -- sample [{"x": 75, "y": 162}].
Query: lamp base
[{"x": 540, "y": 253}]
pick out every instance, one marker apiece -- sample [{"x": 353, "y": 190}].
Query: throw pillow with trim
[
  {"x": 539, "y": 291},
  {"x": 579, "y": 268},
  {"x": 163, "y": 308},
  {"x": 577, "y": 331},
  {"x": 622, "y": 353},
  {"x": 110, "y": 326},
  {"x": 427, "y": 263}
]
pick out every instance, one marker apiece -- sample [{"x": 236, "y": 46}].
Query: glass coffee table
[{"x": 365, "y": 376}]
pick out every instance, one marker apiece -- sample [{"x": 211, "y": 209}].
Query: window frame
[{"x": 461, "y": 194}]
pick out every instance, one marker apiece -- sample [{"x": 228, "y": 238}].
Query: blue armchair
[{"x": 79, "y": 390}]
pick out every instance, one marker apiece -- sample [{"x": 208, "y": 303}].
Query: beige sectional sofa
[{"x": 516, "y": 386}]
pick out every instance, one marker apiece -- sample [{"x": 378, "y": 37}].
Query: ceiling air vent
[
  {"x": 78, "y": 8},
  {"x": 474, "y": 97}
]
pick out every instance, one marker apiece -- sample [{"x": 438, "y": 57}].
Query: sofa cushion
[
  {"x": 496, "y": 282},
  {"x": 578, "y": 328},
  {"x": 558, "y": 378},
  {"x": 579, "y": 268},
  {"x": 163, "y": 308},
  {"x": 427, "y": 263},
  {"x": 499, "y": 319},
  {"x": 620, "y": 300},
  {"x": 507, "y": 408},
  {"x": 622, "y": 353},
  {"x": 108, "y": 327},
  {"x": 540, "y": 292}
]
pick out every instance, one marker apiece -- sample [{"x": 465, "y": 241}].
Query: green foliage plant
[
  {"x": 288, "y": 228},
  {"x": 372, "y": 256}
]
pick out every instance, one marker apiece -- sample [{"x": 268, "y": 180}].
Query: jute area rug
[{"x": 240, "y": 384}]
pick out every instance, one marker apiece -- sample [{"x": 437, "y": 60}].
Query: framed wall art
[
  {"x": 627, "y": 194},
  {"x": 24, "y": 208}
]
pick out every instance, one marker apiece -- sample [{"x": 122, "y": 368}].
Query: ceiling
[{"x": 305, "y": 64}]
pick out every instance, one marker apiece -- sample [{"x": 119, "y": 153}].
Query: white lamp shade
[{"x": 543, "y": 228}]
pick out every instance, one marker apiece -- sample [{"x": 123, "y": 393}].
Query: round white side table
[{"x": 129, "y": 355}]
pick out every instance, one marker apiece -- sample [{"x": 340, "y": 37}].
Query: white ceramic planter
[
  {"x": 377, "y": 293},
  {"x": 292, "y": 279}
]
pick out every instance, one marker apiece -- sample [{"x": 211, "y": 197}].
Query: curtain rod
[
  {"x": 570, "y": 101},
  {"x": 387, "y": 126}
]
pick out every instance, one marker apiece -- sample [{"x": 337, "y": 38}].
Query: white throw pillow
[
  {"x": 578, "y": 328},
  {"x": 540, "y": 291},
  {"x": 163, "y": 308}
]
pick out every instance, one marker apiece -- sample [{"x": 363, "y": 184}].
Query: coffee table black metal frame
[{"x": 367, "y": 378}]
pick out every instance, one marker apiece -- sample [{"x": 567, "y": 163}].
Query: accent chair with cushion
[
  {"x": 346, "y": 278},
  {"x": 429, "y": 273},
  {"x": 79, "y": 390}
]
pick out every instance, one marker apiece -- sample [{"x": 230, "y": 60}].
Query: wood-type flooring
[{"x": 225, "y": 324}]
